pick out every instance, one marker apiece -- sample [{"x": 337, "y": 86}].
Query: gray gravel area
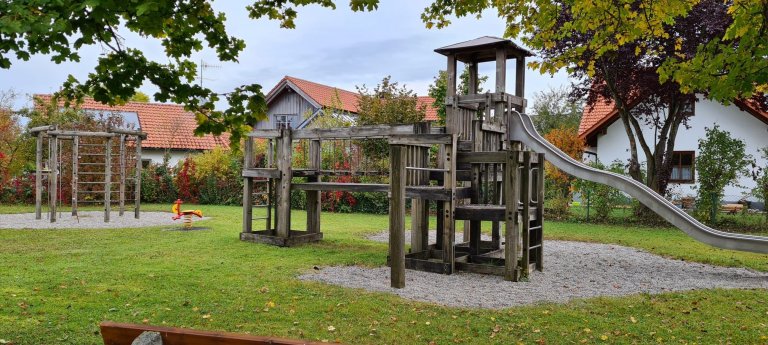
[
  {"x": 571, "y": 270},
  {"x": 89, "y": 220}
]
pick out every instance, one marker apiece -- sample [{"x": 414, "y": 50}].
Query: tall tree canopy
[
  {"x": 61, "y": 28},
  {"x": 730, "y": 65}
]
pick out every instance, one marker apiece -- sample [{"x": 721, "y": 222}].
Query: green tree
[
  {"x": 553, "y": 109},
  {"x": 387, "y": 103},
  {"x": 140, "y": 97},
  {"x": 60, "y": 29},
  {"x": 721, "y": 161},
  {"x": 438, "y": 88},
  {"x": 760, "y": 176}
]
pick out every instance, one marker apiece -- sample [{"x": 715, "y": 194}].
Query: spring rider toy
[{"x": 187, "y": 214}]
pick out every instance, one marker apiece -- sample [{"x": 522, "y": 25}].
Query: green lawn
[{"x": 57, "y": 285}]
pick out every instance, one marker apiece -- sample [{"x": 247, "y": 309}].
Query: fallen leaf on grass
[{"x": 331, "y": 329}]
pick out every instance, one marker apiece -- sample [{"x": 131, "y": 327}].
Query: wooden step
[{"x": 421, "y": 192}]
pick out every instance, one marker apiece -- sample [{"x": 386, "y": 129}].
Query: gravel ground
[
  {"x": 571, "y": 270},
  {"x": 88, "y": 220}
]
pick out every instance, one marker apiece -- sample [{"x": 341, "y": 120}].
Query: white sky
[{"x": 339, "y": 48}]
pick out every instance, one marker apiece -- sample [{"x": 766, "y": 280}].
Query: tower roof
[{"x": 483, "y": 49}]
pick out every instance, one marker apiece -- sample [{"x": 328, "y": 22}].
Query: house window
[
  {"x": 283, "y": 121},
  {"x": 682, "y": 167},
  {"x": 688, "y": 107}
]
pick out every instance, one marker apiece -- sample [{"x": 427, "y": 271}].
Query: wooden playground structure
[
  {"x": 478, "y": 175},
  {"x": 95, "y": 161}
]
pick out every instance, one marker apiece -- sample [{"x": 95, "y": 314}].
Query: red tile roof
[
  {"x": 431, "y": 110},
  {"x": 595, "y": 116},
  {"x": 329, "y": 96},
  {"x": 602, "y": 114},
  {"x": 167, "y": 125}
]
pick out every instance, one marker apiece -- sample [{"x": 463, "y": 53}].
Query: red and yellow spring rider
[{"x": 187, "y": 214}]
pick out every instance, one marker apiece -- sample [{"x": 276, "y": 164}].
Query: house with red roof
[
  {"x": 607, "y": 140},
  {"x": 169, "y": 128},
  {"x": 295, "y": 103}
]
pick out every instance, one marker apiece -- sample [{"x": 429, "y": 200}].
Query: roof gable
[
  {"x": 328, "y": 96},
  {"x": 168, "y": 126}
]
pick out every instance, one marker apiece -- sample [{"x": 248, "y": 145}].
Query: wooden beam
[
  {"x": 137, "y": 181},
  {"x": 264, "y": 133},
  {"x": 511, "y": 230},
  {"x": 128, "y": 132},
  {"x": 525, "y": 221},
  {"x": 313, "y": 197},
  {"x": 39, "y": 176},
  {"x": 357, "y": 132},
  {"x": 285, "y": 154},
  {"x": 261, "y": 172},
  {"x": 419, "y": 139},
  {"x": 114, "y": 333},
  {"x": 450, "y": 92},
  {"x": 75, "y": 177},
  {"x": 121, "y": 195},
  {"x": 397, "y": 216},
  {"x": 108, "y": 179},
  {"x": 53, "y": 164},
  {"x": 248, "y": 187},
  {"x": 520, "y": 81},
  {"x": 540, "y": 211},
  {"x": 449, "y": 220}
]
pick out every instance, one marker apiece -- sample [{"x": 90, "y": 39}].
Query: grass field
[{"x": 57, "y": 285}]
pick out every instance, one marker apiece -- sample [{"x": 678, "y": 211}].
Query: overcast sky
[{"x": 335, "y": 47}]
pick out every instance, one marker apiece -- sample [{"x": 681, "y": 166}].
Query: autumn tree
[
  {"x": 11, "y": 141},
  {"x": 558, "y": 183}
]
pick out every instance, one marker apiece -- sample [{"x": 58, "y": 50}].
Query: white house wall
[
  {"x": 156, "y": 155},
  {"x": 614, "y": 145}
]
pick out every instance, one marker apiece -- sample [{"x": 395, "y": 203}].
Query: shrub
[
  {"x": 602, "y": 199},
  {"x": 218, "y": 174},
  {"x": 722, "y": 159},
  {"x": 189, "y": 191},
  {"x": 157, "y": 184}
]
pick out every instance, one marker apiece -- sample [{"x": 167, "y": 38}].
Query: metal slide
[{"x": 522, "y": 130}]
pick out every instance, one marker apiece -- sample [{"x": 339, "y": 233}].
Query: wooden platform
[{"x": 270, "y": 237}]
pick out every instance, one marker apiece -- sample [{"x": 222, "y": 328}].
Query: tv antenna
[{"x": 204, "y": 66}]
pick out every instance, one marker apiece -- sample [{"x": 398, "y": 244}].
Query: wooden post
[
  {"x": 75, "y": 177},
  {"x": 449, "y": 222},
  {"x": 501, "y": 82},
  {"x": 53, "y": 181},
  {"x": 511, "y": 232},
  {"x": 137, "y": 180},
  {"x": 248, "y": 187},
  {"x": 397, "y": 216},
  {"x": 313, "y": 196},
  {"x": 450, "y": 95},
  {"x": 475, "y": 227},
  {"x": 284, "y": 191},
  {"x": 439, "y": 204},
  {"x": 270, "y": 184},
  {"x": 520, "y": 79},
  {"x": 121, "y": 205},
  {"x": 420, "y": 207},
  {"x": 39, "y": 176},
  {"x": 540, "y": 212},
  {"x": 525, "y": 197},
  {"x": 108, "y": 180}
]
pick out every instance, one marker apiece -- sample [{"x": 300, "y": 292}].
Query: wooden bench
[{"x": 114, "y": 333}]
